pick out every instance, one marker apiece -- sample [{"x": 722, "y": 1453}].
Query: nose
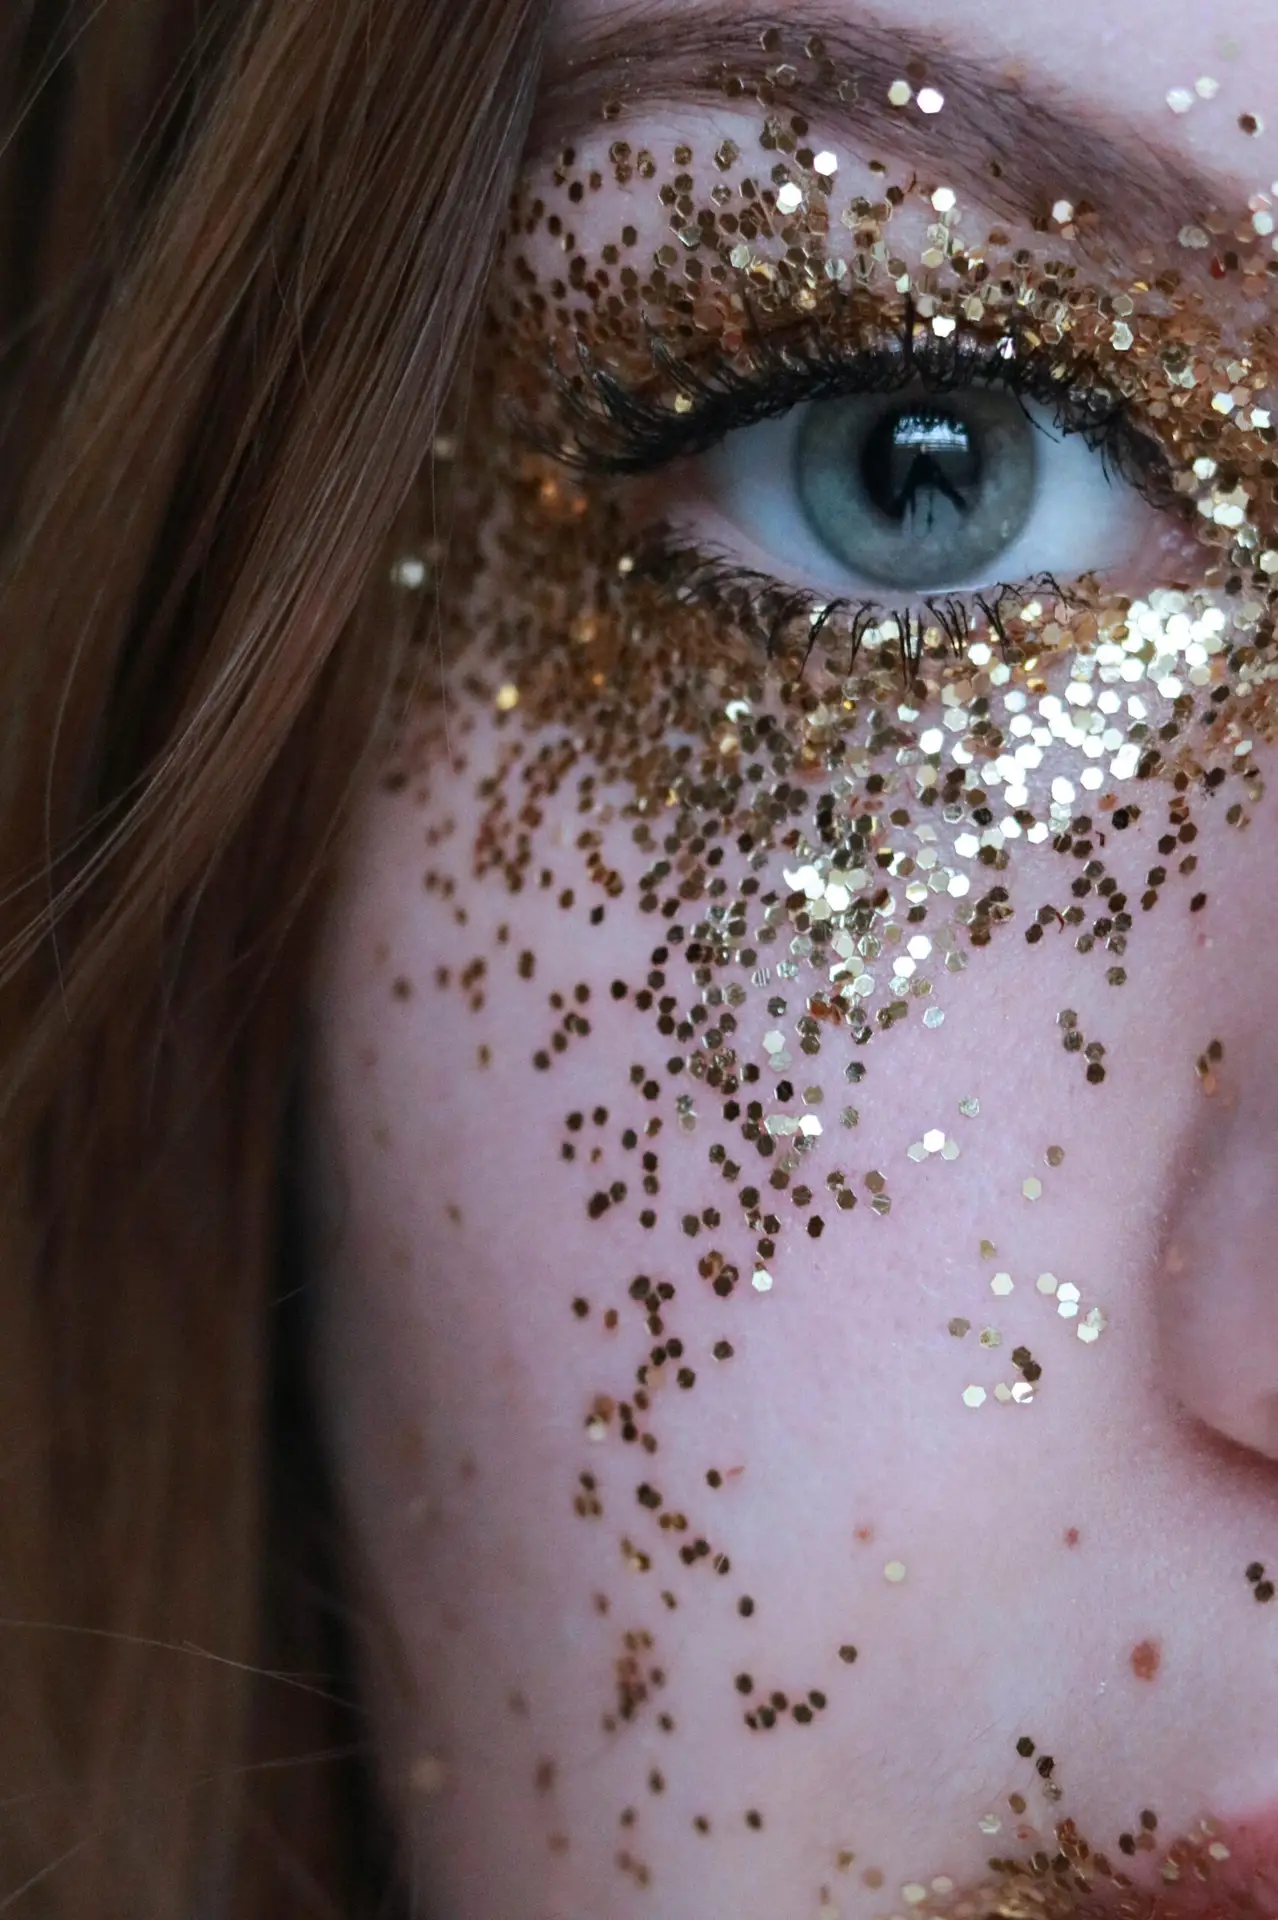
[{"x": 1216, "y": 1280}]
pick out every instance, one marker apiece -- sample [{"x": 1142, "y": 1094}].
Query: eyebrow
[{"x": 1023, "y": 146}]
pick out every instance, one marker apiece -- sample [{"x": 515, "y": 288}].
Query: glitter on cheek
[{"x": 707, "y": 853}]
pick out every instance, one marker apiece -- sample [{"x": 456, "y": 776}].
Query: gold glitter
[{"x": 824, "y": 813}]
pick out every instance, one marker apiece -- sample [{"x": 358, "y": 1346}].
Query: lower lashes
[{"x": 778, "y": 618}]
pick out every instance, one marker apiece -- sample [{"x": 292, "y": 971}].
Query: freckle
[
  {"x": 1071, "y": 1536},
  {"x": 544, "y": 1776},
  {"x": 1146, "y": 1659},
  {"x": 428, "y": 1774},
  {"x": 865, "y": 1534},
  {"x": 454, "y": 1213}
]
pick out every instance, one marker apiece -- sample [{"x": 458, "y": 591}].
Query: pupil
[{"x": 916, "y": 457}]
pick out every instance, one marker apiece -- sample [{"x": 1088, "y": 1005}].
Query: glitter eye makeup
[{"x": 796, "y": 1032}]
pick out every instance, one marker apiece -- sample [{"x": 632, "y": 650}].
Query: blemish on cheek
[
  {"x": 428, "y": 1775},
  {"x": 1072, "y": 1536},
  {"x": 1146, "y": 1659}
]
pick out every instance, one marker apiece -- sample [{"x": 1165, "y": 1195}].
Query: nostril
[{"x": 1214, "y": 1292}]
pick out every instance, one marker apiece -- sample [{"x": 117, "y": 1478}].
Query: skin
[{"x": 1074, "y": 1567}]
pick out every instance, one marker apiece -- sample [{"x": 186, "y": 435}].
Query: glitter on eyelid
[
  {"x": 1180, "y": 99},
  {"x": 1002, "y": 1284},
  {"x": 900, "y": 93},
  {"x": 930, "y": 100},
  {"x": 894, "y": 1571}
]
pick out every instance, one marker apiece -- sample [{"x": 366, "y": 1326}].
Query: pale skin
[{"x": 1073, "y": 1568}]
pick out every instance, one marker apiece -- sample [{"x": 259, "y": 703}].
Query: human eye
[
  {"x": 929, "y": 476},
  {"x": 844, "y": 404}
]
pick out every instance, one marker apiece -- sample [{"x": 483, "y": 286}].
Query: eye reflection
[{"x": 918, "y": 494}]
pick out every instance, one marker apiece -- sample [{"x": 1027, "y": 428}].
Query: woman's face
[{"x": 796, "y": 1049}]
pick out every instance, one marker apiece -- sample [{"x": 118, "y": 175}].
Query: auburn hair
[{"x": 243, "y": 244}]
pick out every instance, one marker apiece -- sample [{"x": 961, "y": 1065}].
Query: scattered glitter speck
[
  {"x": 894, "y": 1571},
  {"x": 930, "y": 100},
  {"x": 1032, "y": 1188},
  {"x": 973, "y": 1396},
  {"x": 1002, "y": 1284}
]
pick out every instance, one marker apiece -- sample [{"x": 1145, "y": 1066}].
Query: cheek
[{"x": 661, "y": 1309}]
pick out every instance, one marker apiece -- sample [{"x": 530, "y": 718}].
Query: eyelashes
[
  {"x": 674, "y": 406},
  {"x": 608, "y": 427}
]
